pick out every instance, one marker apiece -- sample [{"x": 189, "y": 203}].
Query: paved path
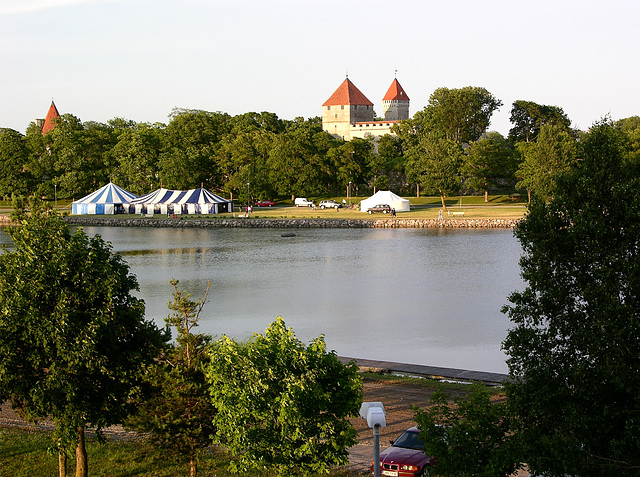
[{"x": 429, "y": 371}]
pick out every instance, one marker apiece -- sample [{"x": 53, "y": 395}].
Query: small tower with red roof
[
  {"x": 395, "y": 104},
  {"x": 50, "y": 120},
  {"x": 346, "y": 106}
]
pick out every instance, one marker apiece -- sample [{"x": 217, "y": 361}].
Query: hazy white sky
[{"x": 138, "y": 59}]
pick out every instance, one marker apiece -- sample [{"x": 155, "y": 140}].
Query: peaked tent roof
[
  {"x": 386, "y": 197},
  {"x": 395, "y": 92},
  {"x": 193, "y": 196},
  {"x": 108, "y": 194},
  {"x": 50, "y": 119},
  {"x": 347, "y": 93}
]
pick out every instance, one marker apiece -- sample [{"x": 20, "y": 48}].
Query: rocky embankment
[{"x": 120, "y": 221}]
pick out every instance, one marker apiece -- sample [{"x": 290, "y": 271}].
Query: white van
[{"x": 302, "y": 202}]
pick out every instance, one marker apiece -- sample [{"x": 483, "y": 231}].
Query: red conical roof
[
  {"x": 347, "y": 93},
  {"x": 50, "y": 120},
  {"x": 395, "y": 92}
]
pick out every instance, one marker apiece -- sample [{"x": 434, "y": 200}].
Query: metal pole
[
  {"x": 376, "y": 450},
  {"x": 55, "y": 195}
]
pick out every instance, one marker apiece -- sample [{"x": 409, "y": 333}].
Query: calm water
[{"x": 408, "y": 295}]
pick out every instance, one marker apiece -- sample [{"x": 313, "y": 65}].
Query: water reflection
[{"x": 424, "y": 296}]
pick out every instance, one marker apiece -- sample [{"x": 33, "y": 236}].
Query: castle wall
[
  {"x": 338, "y": 120},
  {"x": 395, "y": 110},
  {"x": 377, "y": 128}
]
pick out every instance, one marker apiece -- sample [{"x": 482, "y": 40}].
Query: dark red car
[
  {"x": 405, "y": 457},
  {"x": 265, "y": 203}
]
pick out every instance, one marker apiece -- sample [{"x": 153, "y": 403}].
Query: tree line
[{"x": 444, "y": 149}]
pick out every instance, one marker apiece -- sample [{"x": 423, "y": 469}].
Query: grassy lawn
[
  {"x": 474, "y": 207},
  {"x": 23, "y": 453}
]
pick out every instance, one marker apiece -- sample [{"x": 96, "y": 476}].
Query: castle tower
[
  {"x": 50, "y": 120},
  {"x": 346, "y": 106},
  {"x": 395, "y": 104}
]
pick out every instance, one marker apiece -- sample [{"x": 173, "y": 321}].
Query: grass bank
[
  {"x": 23, "y": 453},
  {"x": 473, "y": 207}
]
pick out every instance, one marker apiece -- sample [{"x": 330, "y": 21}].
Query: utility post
[{"x": 373, "y": 412}]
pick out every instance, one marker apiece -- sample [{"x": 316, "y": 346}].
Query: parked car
[
  {"x": 405, "y": 457},
  {"x": 384, "y": 208},
  {"x": 265, "y": 203},
  {"x": 302, "y": 202},
  {"x": 329, "y": 204}
]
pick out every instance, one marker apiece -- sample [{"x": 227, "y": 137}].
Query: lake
[{"x": 419, "y": 296}]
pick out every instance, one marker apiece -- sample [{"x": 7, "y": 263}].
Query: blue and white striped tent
[
  {"x": 107, "y": 200},
  {"x": 165, "y": 201}
]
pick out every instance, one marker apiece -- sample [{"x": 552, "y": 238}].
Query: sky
[{"x": 140, "y": 59}]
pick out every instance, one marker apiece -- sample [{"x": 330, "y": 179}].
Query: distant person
[{"x": 440, "y": 215}]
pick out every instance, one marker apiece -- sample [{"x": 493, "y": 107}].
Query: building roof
[
  {"x": 50, "y": 120},
  {"x": 395, "y": 93},
  {"x": 347, "y": 93}
]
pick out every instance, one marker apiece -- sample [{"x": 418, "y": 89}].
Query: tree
[
  {"x": 283, "y": 405},
  {"x": 72, "y": 335},
  {"x": 137, "y": 155},
  {"x": 387, "y": 165},
  {"x": 631, "y": 128},
  {"x": 470, "y": 437},
  {"x": 488, "y": 163},
  {"x": 434, "y": 163},
  {"x": 528, "y": 118},
  {"x": 13, "y": 160},
  {"x": 177, "y": 413},
  {"x": 461, "y": 114},
  {"x": 191, "y": 142},
  {"x": 574, "y": 390},
  {"x": 76, "y": 171},
  {"x": 553, "y": 154},
  {"x": 350, "y": 161}
]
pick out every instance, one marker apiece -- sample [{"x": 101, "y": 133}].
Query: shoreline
[{"x": 289, "y": 223}]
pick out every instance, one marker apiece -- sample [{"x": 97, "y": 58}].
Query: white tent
[
  {"x": 106, "y": 200},
  {"x": 194, "y": 201},
  {"x": 385, "y": 197}
]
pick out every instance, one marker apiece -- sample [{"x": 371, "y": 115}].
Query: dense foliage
[
  {"x": 573, "y": 352},
  {"x": 282, "y": 405},
  {"x": 72, "y": 335},
  {"x": 472, "y": 437},
  {"x": 176, "y": 413}
]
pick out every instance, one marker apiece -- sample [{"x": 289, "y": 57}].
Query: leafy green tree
[
  {"x": 631, "y": 129},
  {"x": 387, "y": 165},
  {"x": 528, "y": 118},
  {"x": 489, "y": 162},
  {"x": 243, "y": 158},
  {"x": 574, "y": 391},
  {"x": 434, "y": 163},
  {"x": 283, "y": 405},
  {"x": 553, "y": 153},
  {"x": 463, "y": 114},
  {"x": 351, "y": 161},
  {"x": 137, "y": 155},
  {"x": 177, "y": 414},
  {"x": 72, "y": 335},
  {"x": 77, "y": 172},
  {"x": 191, "y": 141},
  {"x": 470, "y": 437},
  {"x": 14, "y": 157}
]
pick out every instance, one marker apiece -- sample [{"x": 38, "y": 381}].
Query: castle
[
  {"x": 348, "y": 113},
  {"x": 49, "y": 122}
]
